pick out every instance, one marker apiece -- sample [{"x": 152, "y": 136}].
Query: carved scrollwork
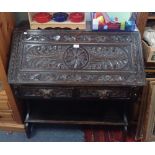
[
  {"x": 111, "y": 57},
  {"x": 29, "y": 37},
  {"x": 121, "y": 38},
  {"x": 70, "y": 36},
  {"x": 56, "y": 77},
  {"x": 67, "y": 57}
]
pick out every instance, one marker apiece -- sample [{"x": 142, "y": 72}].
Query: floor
[{"x": 45, "y": 134}]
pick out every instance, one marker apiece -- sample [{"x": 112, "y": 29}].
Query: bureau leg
[
  {"x": 125, "y": 127},
  {"x": 28, "y": 129},
  {"x": 28, "y": 126},
  {"x": 125, "y": 131}
]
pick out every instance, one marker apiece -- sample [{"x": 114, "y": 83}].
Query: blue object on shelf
[
  {"x": 130, "y": 25},
  {"x": 105, "y": 27},
  {"x": 60, "y": 16}
]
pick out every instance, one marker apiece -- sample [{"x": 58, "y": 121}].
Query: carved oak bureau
[{"x": 66, "y": 70}]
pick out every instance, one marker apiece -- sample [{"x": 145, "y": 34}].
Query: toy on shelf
[
  {"x": 42, "y": 17},
  {"x": 60, "y": 16},
  {"x": 76, "y": 17},
  {"x": 105, "y": 21},
  {"x": 43, "y": 20}
]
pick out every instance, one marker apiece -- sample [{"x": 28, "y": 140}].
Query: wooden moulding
[
  {"x": 53, "y": 24},
  {"x": 6, "y": 27},
  {"x": 11, "y": 127},
  {"x": 150, "y": 113},
  {"x": 146, "y": 123},
  {"x": 149, "y": 52},
  {"x": 6, "y": 117},
  {"x": 4, "y": 105}
]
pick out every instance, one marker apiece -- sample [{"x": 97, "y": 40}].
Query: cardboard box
[{"x": 149, "y": 52}]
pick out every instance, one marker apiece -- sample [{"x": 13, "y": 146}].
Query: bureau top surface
[{"x": 66, "y": 57}]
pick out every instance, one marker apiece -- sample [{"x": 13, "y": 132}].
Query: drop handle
[{"x": 103, "y": 94}]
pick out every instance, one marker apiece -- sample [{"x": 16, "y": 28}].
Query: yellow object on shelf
[{"x": 122, "y": 27}]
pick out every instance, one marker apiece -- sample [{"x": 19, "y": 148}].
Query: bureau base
[{"x": 76, "y": 112}]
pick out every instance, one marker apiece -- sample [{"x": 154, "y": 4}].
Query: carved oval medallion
[{"x": 76, "y": 58}]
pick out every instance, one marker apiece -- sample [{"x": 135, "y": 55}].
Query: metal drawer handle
[{"x": 104, "y": 94}]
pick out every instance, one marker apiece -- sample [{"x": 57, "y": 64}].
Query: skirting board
[{"x": 12, "y": 127}]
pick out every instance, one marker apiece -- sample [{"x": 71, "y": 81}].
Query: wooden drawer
[
  {"x": 43, "y": 92},
  {"x": 3, "y": 95},
  {"x": 4, "y": 105},
  {"x": 109, "y": 92},
  {"x": 6, "y": 117}
]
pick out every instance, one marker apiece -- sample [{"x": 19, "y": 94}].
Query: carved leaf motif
[
  {"x": 28, "y": 37},
  {"x": 112, "y": 57},
  {"x": 58, "y": 36}
]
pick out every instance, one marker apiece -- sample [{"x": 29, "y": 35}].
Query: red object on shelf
[
  {"x": 76, "y": 17},
  {"x": 42, "y": 17},
  {"x": 113, "y": 26},
  {"x": 98, "y": 14}
]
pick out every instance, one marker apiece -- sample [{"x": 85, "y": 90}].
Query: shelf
[
  {"x": 53, "y": 24},
  {"x": 151, "y": 17},
  {"x": 77, "y": 113}
]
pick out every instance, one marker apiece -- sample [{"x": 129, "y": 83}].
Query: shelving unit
[
  {"x": 88, "y": 112},
  {"x": 9, "y": 113},
  {"x": 146, "y": 19},
  {"x": 151, "y": 17},
  {"x": 147, "y": 107},
  {"x": 53, "y": 24}
]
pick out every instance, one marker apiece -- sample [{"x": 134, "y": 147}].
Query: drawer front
[
  {"x": 3, "y": 95},
  {"x": 108, "y": 93},
  {"x": 79, "y": 92},
  {"x": 44, "y": 92},
  {"x": 4, "y": 105},
  {"x": 6, "y": 117},
  {"x": 3, "y": 100}
]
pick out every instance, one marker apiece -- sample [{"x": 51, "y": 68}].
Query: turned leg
[
  {"x": 28, "y": 129},
  {"x": 125, "y": 132}
]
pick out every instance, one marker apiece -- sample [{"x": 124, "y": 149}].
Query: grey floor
[{"x": 45, "y": 134}]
